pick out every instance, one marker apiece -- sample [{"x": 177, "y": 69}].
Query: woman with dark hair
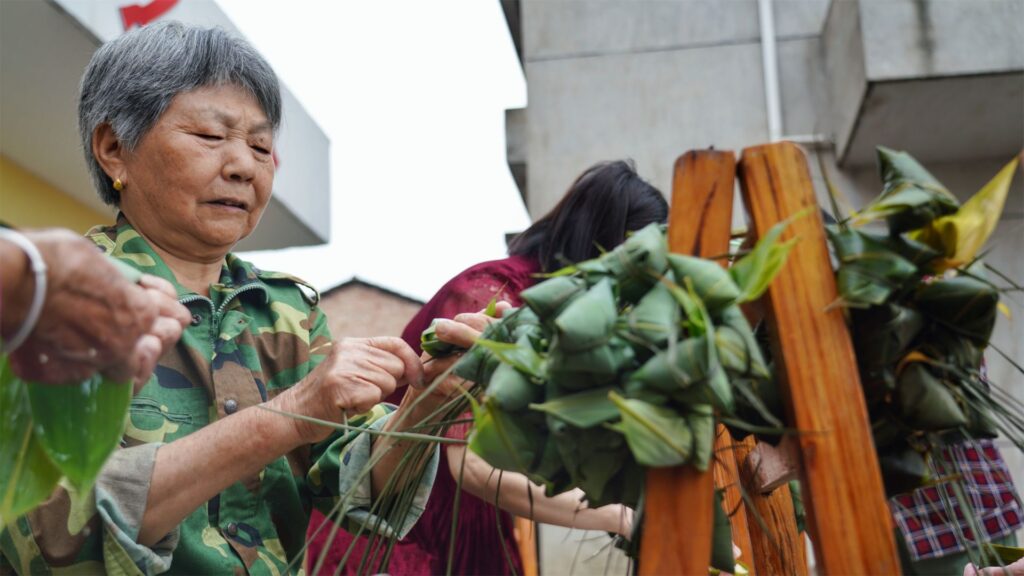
[{"x": 604, "y": 204}]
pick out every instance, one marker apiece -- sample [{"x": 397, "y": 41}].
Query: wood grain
[
  {"x": 727, "y": 476},
  {"x": 848, "y": 519},
  {"x": 678, "y": 514},
  {"x": 776, "y": 542}
]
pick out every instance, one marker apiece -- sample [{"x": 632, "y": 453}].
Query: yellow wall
[{"x": 28, "y": 202}]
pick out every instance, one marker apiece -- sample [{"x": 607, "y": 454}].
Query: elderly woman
[{"x": 178, "y": 126}]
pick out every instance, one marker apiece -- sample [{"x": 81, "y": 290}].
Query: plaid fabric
[{"x": 922, "y": 516}]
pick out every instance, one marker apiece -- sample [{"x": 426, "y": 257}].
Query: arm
[
  {"x": 481, "y": 480},
  {"x": 93, "y": 319},
  {"x": 351, "y": 380}
]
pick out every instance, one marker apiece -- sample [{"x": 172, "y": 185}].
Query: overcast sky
[{"x": 412, "y": 95}]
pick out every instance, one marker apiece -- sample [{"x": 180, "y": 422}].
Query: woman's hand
[
  {"x": 461, "y": 331},
  {"x": 356, "y": 375},
  {"x": 93, "y": 319}
]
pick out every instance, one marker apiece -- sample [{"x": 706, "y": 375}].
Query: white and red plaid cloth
[{"x": 923, "y": 515}]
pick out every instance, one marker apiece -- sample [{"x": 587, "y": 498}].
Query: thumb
[{"x": 412, "y": 373}]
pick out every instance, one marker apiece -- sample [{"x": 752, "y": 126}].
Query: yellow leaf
[
  {"x": 1005, "y": 310},
  {"x": 961, "y": 235}
]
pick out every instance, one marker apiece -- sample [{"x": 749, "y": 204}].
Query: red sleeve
[{"x": 470, "y": 291}]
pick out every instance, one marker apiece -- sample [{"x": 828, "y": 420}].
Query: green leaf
[
  {"x": 1007, "y": 554},
  {"x": 80, "y": 425},
  {"x": 27, "y": 477},
  {"x": 902, "y": 470},
  {"x": 591, "y": 368},
  {"x": 657, "y": 436},
  {"x": 512, "y": 391},
  {"x": 431, "y": 345},
  {"x": 583, "y": 409},
  {"x": 656, "y": 316},
  {"x": 519, "y": 354},
  {"x": 505, "y": 442},
  {"x": 963, "y": 304},
  {"x": 587, "y": 321},
  {"x": 681, "y": 366},
  {"x": 476, "y": 365},
  {"x": 925, "y": 402},
  {"x": 712, "y": 283},
  {"x": 550, "y": 296},
  {"x": 869, "y": 271},
  {"x": 702, "y": 424},
  {"x": 912, "y": 197},
  {"x": 636, "y": 262},
  {"x": 721, "y": 538},
  {"x": 754, "y": 272}
]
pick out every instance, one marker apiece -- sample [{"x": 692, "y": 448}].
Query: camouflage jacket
[{"x": 256, "y": 335}]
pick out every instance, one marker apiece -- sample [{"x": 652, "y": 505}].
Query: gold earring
[{"x": 118, "y": 185}]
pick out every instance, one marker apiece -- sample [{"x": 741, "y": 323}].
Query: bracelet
[{"x": 38, "y": 295}]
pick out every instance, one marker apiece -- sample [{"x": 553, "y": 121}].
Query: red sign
[{"x": 142, "y": 14}]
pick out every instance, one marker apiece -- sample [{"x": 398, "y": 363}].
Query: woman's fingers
[
  {"x": 411, "y": 371},
  {"x": 459, "y": 332}
]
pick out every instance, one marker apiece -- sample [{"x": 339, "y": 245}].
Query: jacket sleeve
[
  {"x": 92, "y": 532},
  {"x": 338, "y": 480}
]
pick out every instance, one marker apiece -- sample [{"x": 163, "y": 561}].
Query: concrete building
[
  {"x": 359, "y": 309},
  {"x": 44, "y": 48},
  {"x": 651, "y": 79}
]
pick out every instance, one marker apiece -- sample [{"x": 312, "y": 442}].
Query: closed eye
[
  {"x": 209, "y": 137},
  {"x": 260, "y": 149}
]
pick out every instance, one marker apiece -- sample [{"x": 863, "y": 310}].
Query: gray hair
[{"x": 132, "y": 79}]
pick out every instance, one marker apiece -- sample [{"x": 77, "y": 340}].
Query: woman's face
[{"x": 198, "y": 181}]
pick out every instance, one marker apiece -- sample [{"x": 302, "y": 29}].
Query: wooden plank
[
  {"x": 727, "y": 476},
  {"x": 678, "y": 512},
  {"x": 776, "y": 542},
  {"x": 525, "y": 533},
  {"x": 848, "y": 519}
]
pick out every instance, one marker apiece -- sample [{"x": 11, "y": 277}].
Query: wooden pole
[
  {"x": 678, "y": 512},
  {"x": 776, "y": 542},
  {"x": 848, "y": 519},
  {"x": 727, "y": 476}
]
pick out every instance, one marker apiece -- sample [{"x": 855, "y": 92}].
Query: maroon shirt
[{"x": 479, "y": 547}]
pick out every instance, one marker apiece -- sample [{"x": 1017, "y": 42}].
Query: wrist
[
  {"x": 16, "y": 287},
  {"x": 281, "y": 428},
  {"x": 38, "y": 269}
]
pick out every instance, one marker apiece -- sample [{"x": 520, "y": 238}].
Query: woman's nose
[{"x": 239, "y": 164}]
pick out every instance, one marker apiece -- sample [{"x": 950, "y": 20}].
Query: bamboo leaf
[
  {"x": 702, "y": 424},
  {"x": 520, "y": 354},
  {"x": 963, "y": 304},
  {"x": 655, "y": 316},
  {"x": 80, "y": 425},
  {"x": 583, "y": 409},
  {"x": 587, "y": 321},
  {"x": 926, "y": 403},
  {"x": 504, "y": 442},
  {"x": 430, "y": 344},
  {"x": 755, "y": 271},
  {"x": 27, "y": 477},
  {"x": 712, "y": 283},
  {"x": 512, "y": 391},
  {"x": 550, "y": 296},
  {"x": 869, "y": 272},
  {"x": 721, "y": 548},
  {"x": 912, "y": 197},
  {"x": 657, "y": 436},
  {"x": 961, "y": 235}
]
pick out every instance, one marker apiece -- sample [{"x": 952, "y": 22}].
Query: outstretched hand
[{"x": 93, "y": 319}]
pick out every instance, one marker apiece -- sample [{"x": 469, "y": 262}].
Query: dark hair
[{"x": 604, "y": 203}]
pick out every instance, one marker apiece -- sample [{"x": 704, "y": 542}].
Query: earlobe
[{"x": 108, "y": 151}]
